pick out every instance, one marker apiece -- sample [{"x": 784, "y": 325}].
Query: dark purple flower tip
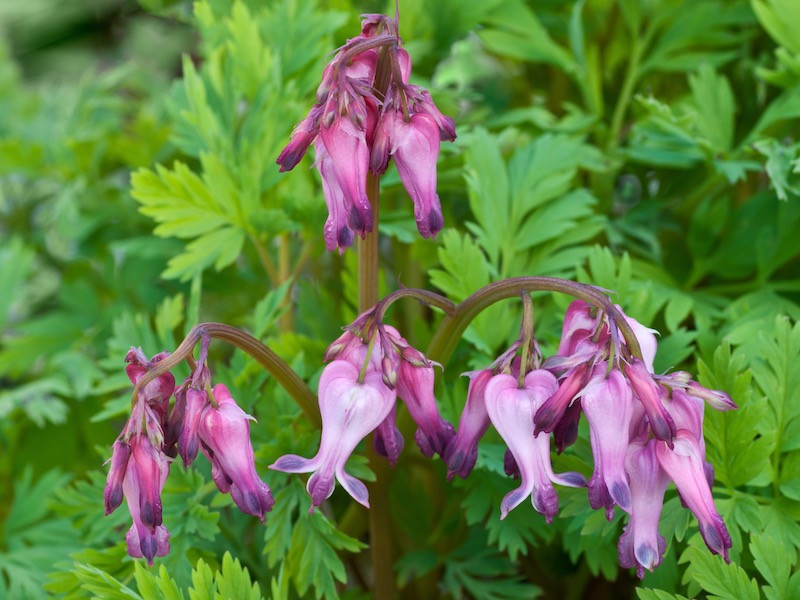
[
  {"x": 143, "y": 543},
  {"x": 460, "y": 462},
  {"x": 359, "y": 219},
  {"x": 566, "y": 431},
  {"x": 510, "y": 465},
  {"x": 387, "y": 440},
  {"x": 436, "y": 439},
  {"x": 716, "y": 537},
  {"x": 113, "y": 494},
  {"x": 255, "y": 501},
  {"x": 320, "y": 488},
  {"x": 294, "y": 152},
  {"x": 545, "y": 501}
]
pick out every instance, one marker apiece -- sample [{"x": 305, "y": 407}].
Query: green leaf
[
  {"x": 233, "y": 581},
  {"x": 713, "y": 98},
  {"x": 721, "y": 581},
  {"x": 772, "y": 560},
  {"x": 516, "y": 32}
]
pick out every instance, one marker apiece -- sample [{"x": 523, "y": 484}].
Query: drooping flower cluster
[
  {"x": 367, "y": 112},
  {"x": 201, "y": 418},
  {"x": 645, "y": 430},
  {"x": 357, "y": 394}
]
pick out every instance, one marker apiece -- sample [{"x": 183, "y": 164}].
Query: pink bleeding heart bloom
[
  {"x": 346, "y": 146},
  {"x": 608, "y": 404},
  {"x": 511, "y": 411},
  {"x": 224, "y": 433},
  {"x": 337, "y": 232},
  {"x": 350, "y": 411},
  {"x": 640, "y": 545},
  {"x": 415, "y": 148},
  {"x": 650, "y": 394},
  {"x": 462, "y": 452},
  {"x": 146, "y": 472},
  {"x": 685, "y": 465},
  {"x": 415, "y": 389},
  {"x": 188, "y": 440}
]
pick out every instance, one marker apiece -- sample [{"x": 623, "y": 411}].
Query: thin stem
[
  {"x": 628, "y": 84},
  {"x": 266, "y": 261},
  {"x": 527, "y": 335},
  {"x": 368, "y": 252},
  {"x": 277, "y": 367},
  {"x": 430, "y": 298},
  {"x": 453, "y": 325}
]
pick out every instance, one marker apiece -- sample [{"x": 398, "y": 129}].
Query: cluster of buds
[
  {"x": 200, "y": 418},
  {"x": 645, "y": 430},
  {"x": 366, "y": 111},
  {"x": 371, "y": 366}
]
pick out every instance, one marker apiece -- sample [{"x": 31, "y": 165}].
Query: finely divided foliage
[{"x": 645, "y": 152}]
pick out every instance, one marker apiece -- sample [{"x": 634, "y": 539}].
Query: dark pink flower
[
  {"x": 684, "y": 463},
  {"x": 462, "y": 452},
  {"x": 650, "y": 394},
  {"x": 346, "y": 147},
  {"x": 188, "y": 440},
  {"x": 146, "y": 472},
  {"x": 112, "y": 495},
  {"x": 415, "y": 148},
  {"x": 608, "y": 404},
  {"x": 640, "y": 545},
  {"x": 224, "y": 432}
]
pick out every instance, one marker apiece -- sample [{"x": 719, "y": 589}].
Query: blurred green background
[{"x": 648, "y": 146}]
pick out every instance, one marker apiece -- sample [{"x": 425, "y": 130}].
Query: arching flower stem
[
  {"x": 452, "y": 327},
  {"x": 277, "y": 367}
]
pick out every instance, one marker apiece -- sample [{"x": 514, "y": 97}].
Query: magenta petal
[
  {"x": 337, "y": 232},
  {"x": 551, "y": 411},
  {"x": 717, "y": 399},
  {"x": 112, "y": 495},
  {"x": 579, "y": 325},
  {"x": 225, "y": 431},
  {"x": 641, "y": 546},
  {"x": 415, "y": 147},
  {"x": 566, "y": 431},
  {"x": 347, "y": 147},
  {"x": 608, "y": 404},
  {"x": 415, "y": 389},
  {"x": 650, "y": 395},
  {"x": 685, "y": 465},
  {"x": 144, "y": 478},
  {"x": 462, "y": 452},
  {"x": 188, "y": 442}
]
